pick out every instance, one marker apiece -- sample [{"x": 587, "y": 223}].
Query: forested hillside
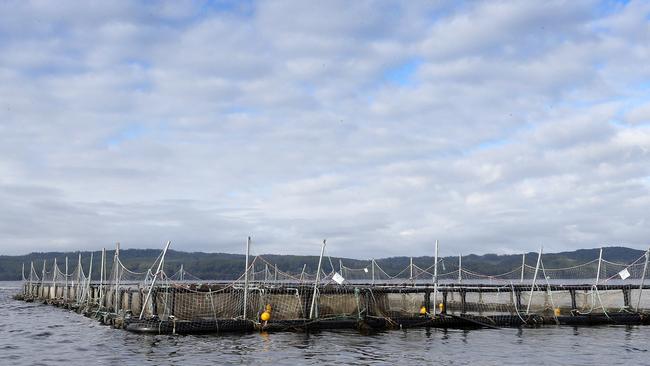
[{"x": 225, "y": 266}]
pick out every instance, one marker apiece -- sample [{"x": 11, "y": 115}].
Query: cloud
[{"x": 382, "y": 126}]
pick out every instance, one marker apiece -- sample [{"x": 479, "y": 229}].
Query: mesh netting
[{"x": 337, "y": 295}]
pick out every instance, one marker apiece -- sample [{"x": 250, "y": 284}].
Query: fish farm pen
[{"x": 266, "y": 298}]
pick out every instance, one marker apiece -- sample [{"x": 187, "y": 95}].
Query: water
[{"x": 35, "y": 334}]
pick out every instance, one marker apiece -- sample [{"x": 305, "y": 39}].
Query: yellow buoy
[
  {"x": 556, "y": 311},
  {"x": 423, "y": 310},
  {"x": 441, "y": 306},
  {"x": 265, "y": 316}
]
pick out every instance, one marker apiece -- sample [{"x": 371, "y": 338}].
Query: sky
[{"x": 381, "y": 126}]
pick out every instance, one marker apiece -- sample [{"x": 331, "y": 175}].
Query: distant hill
[{"x": 225, "y": 266}]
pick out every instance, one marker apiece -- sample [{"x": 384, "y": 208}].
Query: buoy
[
  {"x": 266, "y": 316},
  {"x": 556, "y": 311},
  {"x": 423, "y": 310},
  {"x": 441, "y": 306},
  {"x": 268, "y": 307}
]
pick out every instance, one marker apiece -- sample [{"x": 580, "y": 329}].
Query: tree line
[{"x": 224, "y": 266}]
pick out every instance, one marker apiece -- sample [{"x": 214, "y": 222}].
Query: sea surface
[{"x": 36, "y": 334}]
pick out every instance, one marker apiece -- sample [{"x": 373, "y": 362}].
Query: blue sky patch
[
  {"x": 130, "y": 132},
  {"x": 402, "y": 74}
]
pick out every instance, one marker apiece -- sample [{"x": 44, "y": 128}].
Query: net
[{"x": 336, "y": 295}]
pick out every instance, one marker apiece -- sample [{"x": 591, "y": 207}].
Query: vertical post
[
  {"x": 460, "y": 268},
  {"x": 645, "y": 267},
  {"x": 54, "y": 271},
  {"x": 574, "y": 305},
  {"x": 266, "y": 272},
  {"x": 248, "y": 248},
  {"x": 600, "y": 260},
  {"x": 116, "y": 273},
  {"x": 153, "y": 281},
  {"x": 182, "y": 278},
  {"x": 43, "y": 278},
  {"x": 463, "y": 301},
  {"x": 411, "y": 268},
  {"x": 275, "y": 273},
  {"x": 532, "y": 286},
  {"x": 90, "y": 279},
  {"x": 24, "y": 280},
  {"x": 523, "y": 267},
  {"x": 341, "y": 266},
  {"x": 154, "y": 302},
  {"x": 66, "y": 293},
  {"x": 102, "y": 269},
  {"x": 312, "y": 312},
  {"x": 435, "y": 280},
  {"x": 372, "y": 269},
  {"x": 31, "y": 278},
  {"x": 626, "y": 297},
  {"x": 105, "y": 279},
  {"x": 76, "y": 291}
]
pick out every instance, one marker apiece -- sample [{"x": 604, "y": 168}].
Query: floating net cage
[{"x": 339, "y": 296}]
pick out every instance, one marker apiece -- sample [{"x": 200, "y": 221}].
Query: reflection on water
[{"x": 43, "y": 335}]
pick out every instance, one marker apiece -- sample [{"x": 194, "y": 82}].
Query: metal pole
[
  {"x": 153, "y": 281},
  {"x": 460, "y": 268},
  {"x": 24, "y": 280},
  {"x": 266, "y": 273},
  {"x": 532, "y": 286},
  {"x": 435, "y": 280},
  {"x": 341, "y": 266},
  {"x": 90, "y": 279},
  {"x": 76, "y": 291},
  {"x": 523, "y": 267},
  {"x": 372, "y": 269},
  {"x": 101, "y": 276},
  {"x": 304, "y": 267},
  {"x": 31, "y": 278},
  {"x": 54, "y": 271},
  {"x": 411, "y": 268},
  {"x": 105, "y": 280},
  {"x": 43, "y": 277},
  {"x": 182, "y": 278},
  {"x": 312, "y": 312},
  {"x": 66, "y": 293},
  {"x": 248, "y": 248},
  {"x": 275, "y": 278},
  {"x": 645, "y": 266},
  {"x": 116, "y": 272},
  {"x": 600, "y": 260}
]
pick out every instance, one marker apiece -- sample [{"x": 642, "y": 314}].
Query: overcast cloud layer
[{"x": 381, "y": 126}]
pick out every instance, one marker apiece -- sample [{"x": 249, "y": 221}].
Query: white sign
[
  {"x": 338, "y": 278},
  {"x": 624, "y": 273},
  {"x": 365, "y": 270}
]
